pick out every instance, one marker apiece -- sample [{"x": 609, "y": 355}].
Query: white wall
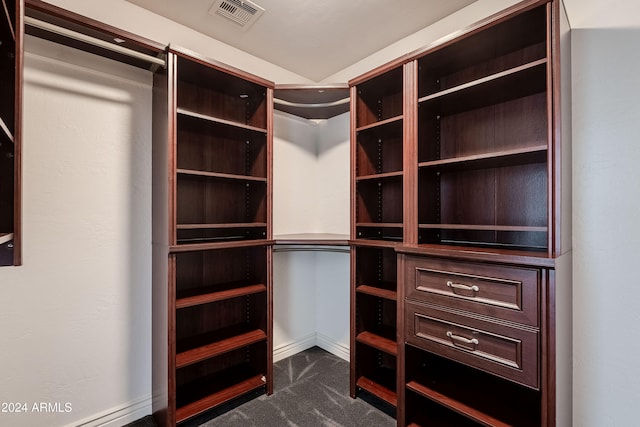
[
  {"x": 76, "y": 316},
  {"x": 311, "y": 195},
  {"x": 606, "y": 204}
]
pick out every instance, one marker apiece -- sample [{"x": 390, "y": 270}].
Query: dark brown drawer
[
  {"x": 506, "y": 293},
  {"x": 509, "y": 352}
]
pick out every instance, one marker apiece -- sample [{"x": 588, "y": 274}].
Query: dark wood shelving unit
[
  {"x": 489, "y": 206},
  {"x": 378, "y": 113},
  {"x": 11, "y": 56},
  {"x": 213, "y": 175}
]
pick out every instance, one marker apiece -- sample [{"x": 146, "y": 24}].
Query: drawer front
[
  {"x": 506, "y": 293},
  {"x": 499, "y": 349}
]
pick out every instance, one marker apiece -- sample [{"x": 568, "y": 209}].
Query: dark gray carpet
[{"x": 311, "y": 389}]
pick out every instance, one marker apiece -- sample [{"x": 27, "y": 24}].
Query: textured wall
[
  {"x": 606, "y": 235},
  {"x": 76, "y": 316}
]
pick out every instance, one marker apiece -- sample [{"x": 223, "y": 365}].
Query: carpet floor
[{"x": 311, "y": 389}]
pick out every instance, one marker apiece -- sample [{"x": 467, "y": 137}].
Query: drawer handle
[
  {"x": 463, "y": 287},
  {"x": 467, "y": 341}
]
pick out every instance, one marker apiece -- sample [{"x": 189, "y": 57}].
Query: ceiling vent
[{"x": 242, "y": 13}]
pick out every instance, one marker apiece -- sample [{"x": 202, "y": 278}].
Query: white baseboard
[
  {"x": 332, "y": 346},
  {"x": 322, "y": 341},
  {"x": 130, "y": 412},
  {"x": 286, "y": 350},
  {"x": 118, "y": 416}
]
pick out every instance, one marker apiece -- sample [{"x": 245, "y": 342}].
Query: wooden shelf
[
  {"x": 378, "y": 342},
  {"x": 377, "y": 292},
  {"x": 9, "y": 21},
  {"x": 4, "y": 129},
  {"x": 380, "y": 224},
  {"x": 535, "y": 153},
  {"x": 214, "y": 349},
  {"x": 372, "y": 243},
  {"x": 314, "y": 239},
  {"x": 454, "y": 405},
  {"x": 191, "y": 247},
  {"x": 510, "y": 84},
  {"x": 378, "y": 390},
  {"x": 457, "y": 406},
  {"x": 377, "y": 176},
  {"x": 463, "y": 389},
  {"x": 200, "y": 116},
  {"x": 197, "y": 173},
  {"x": 514, "y": 228},
  {"x": 380, "y": 123},
  {"x": 218, "y": 293},
  {"x": 218, "y": 397},
  {"x": 225, "y": 225}
]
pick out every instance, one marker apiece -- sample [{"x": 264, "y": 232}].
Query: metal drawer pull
[
  {"x": 473, "y": 288},
  {"x": 472, "y": 341}
]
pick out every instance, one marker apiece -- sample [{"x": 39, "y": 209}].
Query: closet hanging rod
[
  {"x": 36, "y": 23},
  {"x": 303, "y": 105},
  {"x": 311, "y": 249}
]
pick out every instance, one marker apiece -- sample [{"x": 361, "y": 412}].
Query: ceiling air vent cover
[{"x": 242, "y": 13}]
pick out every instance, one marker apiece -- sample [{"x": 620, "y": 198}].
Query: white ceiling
[
  {"x": 313, "y": 38},
  {"x": 603, "y": 13},
  {"x": 318, "y": 38}
]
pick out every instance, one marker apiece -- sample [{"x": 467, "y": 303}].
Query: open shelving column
[
  {"x": 11, "y": 53},
  {"x": 212, "y": 172},
  {"x": 483, "y": 138},
  {"x": 377, "y": 176}
]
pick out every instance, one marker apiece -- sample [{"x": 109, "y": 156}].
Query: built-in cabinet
[
  {"x": 460, "y": 219},
  {"x": 461, "y": 287},
  {"x": 11, "y": 53},
  {"x": 212, "y": 231}
]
